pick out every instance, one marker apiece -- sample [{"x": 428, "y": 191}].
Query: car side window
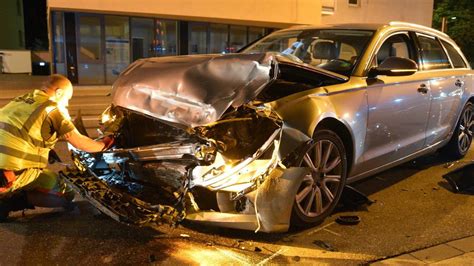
[
  {"x": 398, "y": 45},
  {"x": 456, "y": 58},
  {"x": 432, "y": 54}
]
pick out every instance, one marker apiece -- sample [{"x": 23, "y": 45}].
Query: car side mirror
[{"x": 394, "y": 66}]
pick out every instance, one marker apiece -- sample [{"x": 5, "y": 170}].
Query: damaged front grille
[{"x": 120, "y": 206}]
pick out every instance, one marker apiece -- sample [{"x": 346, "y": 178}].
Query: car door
[
  {"x": 446, "y": 83},
  {"x": 398, "y": 107}
]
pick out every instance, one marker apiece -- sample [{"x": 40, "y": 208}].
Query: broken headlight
[{"x": 111, "y": 119}]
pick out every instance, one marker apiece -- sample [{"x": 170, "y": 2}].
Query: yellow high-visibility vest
[{"x": 21, "y": 143}]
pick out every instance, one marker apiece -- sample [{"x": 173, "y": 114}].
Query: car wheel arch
[{"x": 338, "y": 127}]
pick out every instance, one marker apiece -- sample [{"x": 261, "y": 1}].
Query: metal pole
[{"x": 444, "y": 24}]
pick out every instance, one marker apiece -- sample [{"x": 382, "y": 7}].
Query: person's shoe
[
  {"x": 17, "y": 202},
  {"x": 4, "y": 211}
]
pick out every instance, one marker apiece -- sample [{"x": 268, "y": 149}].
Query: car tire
[
  {"x": 461, "y": 140},
  {"x": 321, "y": 189}
]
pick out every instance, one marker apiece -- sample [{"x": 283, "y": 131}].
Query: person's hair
[{"x": 55, "y": 82}]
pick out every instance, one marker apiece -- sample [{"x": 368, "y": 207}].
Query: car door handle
[
  {"x": 458, "y": 83},
  {"x": 423, "y": 89}
]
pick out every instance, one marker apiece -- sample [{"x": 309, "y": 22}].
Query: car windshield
[{"x": 336, "y": 50}]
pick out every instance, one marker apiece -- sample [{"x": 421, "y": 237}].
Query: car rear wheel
[
  {"x": 321, "y": 189},
  {"x": 461, "y": 140}
]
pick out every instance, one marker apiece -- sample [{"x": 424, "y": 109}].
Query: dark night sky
[{"x": 36, "y": 30}]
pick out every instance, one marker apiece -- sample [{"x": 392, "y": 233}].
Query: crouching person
[{"x": 30, "y": 126}]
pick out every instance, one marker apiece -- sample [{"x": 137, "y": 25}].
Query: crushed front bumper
[{"x": 119, "y": 206}]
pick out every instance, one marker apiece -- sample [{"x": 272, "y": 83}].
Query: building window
[
  {"x": 58, "y": 43},
  {"x": 90, "y": 57},
  {"x": 166, "y": 40},
  {"x": 238, "y": 38},
  {"x": 117, "y": 46},
  {"x": 354, "y": 2},
  {"x": 198, "y": 34},
  {"x": 219, "y": 38},
  {"x": 255, "y": 33},
  {"x": 143, "y": 35},
  {"x": 328, "y": 7}
]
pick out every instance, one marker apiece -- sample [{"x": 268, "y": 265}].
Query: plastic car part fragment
[
  {"x": 462, "y": 179},
  {"x": 352, "y": 198},
  {"x": 120, "y": 206}
]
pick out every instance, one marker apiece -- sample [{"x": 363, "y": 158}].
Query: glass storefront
[
  {"x": 58, "y": 44},
  {"x": 198, "y": 32},
  {"x": 117, "y": 46},
  {"x": 143, "y": 37},
  {"x": 99, "y": 47},
  {"x": 255, "y": 33},
  {"x": 238, "y": 38},
  {"x": 219, "y": 34},
  {"x": 90, "y": 57},
  {"x": 166, "y": 37}
]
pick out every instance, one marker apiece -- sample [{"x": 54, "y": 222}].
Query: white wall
[
  {"x": 277, "y": 13},
  {"x": 382, "y": 11}
]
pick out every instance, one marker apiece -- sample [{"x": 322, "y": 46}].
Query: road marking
[
  {"x": 278, "y": 252},
  {"x": 234, "y": 256},
  {"x": 320, "y": 228},
  {"x": 332, "y": 232}
]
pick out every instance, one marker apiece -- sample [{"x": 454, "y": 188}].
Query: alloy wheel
[
  {"x": 320, "y": 187},
  {"x": 466, "y": 128}
]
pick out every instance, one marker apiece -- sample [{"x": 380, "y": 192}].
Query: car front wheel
[{"x": 321, "y": 189}]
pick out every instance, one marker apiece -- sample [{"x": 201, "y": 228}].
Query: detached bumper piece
[
  {"x": 462, "y": 179},
  {"x": 120, "y": 206}
]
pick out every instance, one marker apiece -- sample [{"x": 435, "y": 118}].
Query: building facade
[
  {"x": 377, "y": 11},
  {"x": 12, "y": 30},
  {"x": 92, "y": 41}
]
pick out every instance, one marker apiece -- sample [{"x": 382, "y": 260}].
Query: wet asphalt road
[{"x": 413, "y": 209}]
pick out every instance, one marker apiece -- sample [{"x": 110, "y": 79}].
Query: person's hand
[
  {"x": 53, "y": 157},
  {"x": 108, "y": 142}
]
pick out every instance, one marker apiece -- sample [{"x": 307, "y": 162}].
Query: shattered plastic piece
[
  {"x": 353, "y": 198},
  {"x": 324, "y": 245},
  {"x": 184, "y": 235},
  {"x": 449, "y": 165},
  {"x": 348, "y": 220},
  {"x": 461, "y": 179}
]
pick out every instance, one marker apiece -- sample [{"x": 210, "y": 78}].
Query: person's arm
[
  {"x": 82, "y": 142},
  {"x": 60, "y": 123}
]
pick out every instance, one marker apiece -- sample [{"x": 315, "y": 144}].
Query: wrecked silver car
[{"x": 270, "y": 136}]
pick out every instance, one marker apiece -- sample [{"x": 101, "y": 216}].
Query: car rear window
[
  {"x": 456, "y": 58},
  {"x": 433, "y": 56}
]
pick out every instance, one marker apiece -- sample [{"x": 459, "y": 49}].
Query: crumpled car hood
[{"x": 196, "y": 90}]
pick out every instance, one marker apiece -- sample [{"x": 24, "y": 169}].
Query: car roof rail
[{"x": 417, "y": 26}]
